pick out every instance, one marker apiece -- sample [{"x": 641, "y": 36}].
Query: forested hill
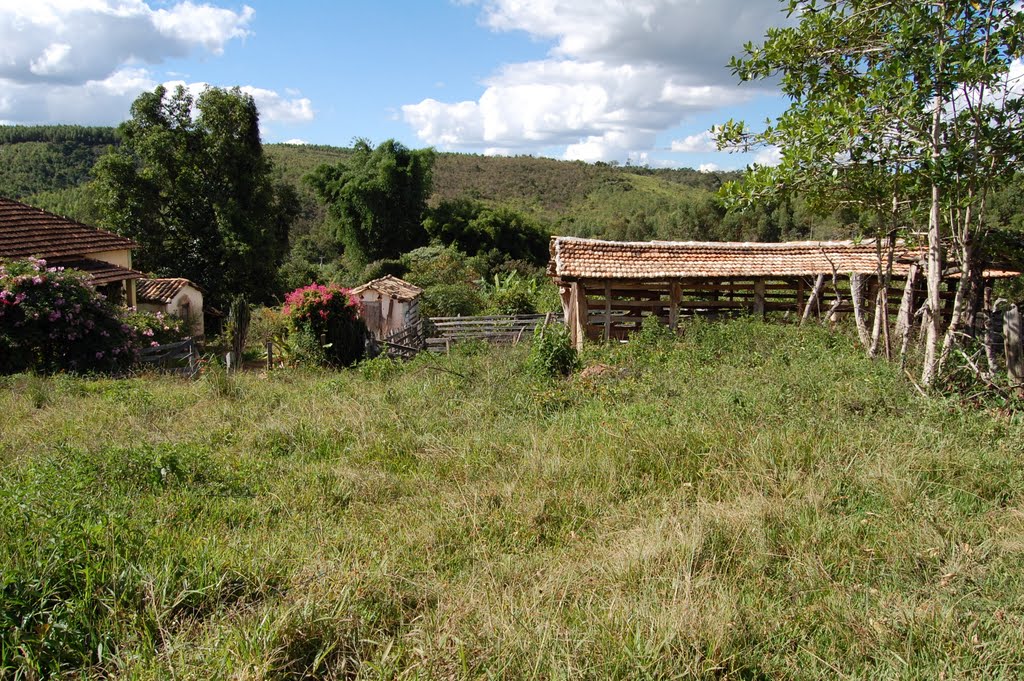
[{"x": 48, "y": 166}]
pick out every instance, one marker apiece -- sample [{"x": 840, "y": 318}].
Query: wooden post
[
  {"x": 759, "y": 290},
  {"x": 270, "y": 355},
  {"x": 1012, "y": 339},
  {"x": 815, "y": 299},
  {"x": 674, "y": 294},
  {"x": 607, "y": 311},
  {"x": 800, "y": 295},
  {"x": 229, "y": 361},
  {"x": 323, "y": 339},
  {"x": 579, "y": 325}
]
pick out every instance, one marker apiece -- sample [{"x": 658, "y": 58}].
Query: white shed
[
  {"x": 390, "y": 304},
  {"x": 178, "y": 297}
]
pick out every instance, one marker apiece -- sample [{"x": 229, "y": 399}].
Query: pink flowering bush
[
  {"x": 156, "y": 328},
  {"x": 330, "y": 311},
  {"x": 52, "y": 320}
]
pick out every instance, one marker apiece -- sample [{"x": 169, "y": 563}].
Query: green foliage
[
  {"x": 156, "y": 328},
  {"x": 512, "y": 293},
  {"x": 474, "y": 228},
  {"x": 552, "y": 353},
  {"x": 191, "y": 184},
  {"x": 451, "y": 300},
  {"x": 654, "y": 336},
  {"x": 37, "y": 159},
  {"x": 377, "y": 197},
  {"x": 329, "y": 312},
  {"x": 51, "y": 320}
]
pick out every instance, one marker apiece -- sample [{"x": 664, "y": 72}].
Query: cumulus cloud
[
  {"x": 769, "y": 156},
  {"x": 85, "y": 61},
  {"x": 79, "y": 41},
  {"x": 709, "y": 167},
  {"x": 619, "y": 74},
  {"x": 702, "y": 142}
]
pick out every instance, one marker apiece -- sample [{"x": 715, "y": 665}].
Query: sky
[{"x": 627, "y": 81}]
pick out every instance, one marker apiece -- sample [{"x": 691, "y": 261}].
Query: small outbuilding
[
  {"x": 389, "y": 304},
  {"x": 178, "y": 297}
]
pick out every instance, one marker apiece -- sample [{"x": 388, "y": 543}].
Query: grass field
[{"x": 753, "y": 502}]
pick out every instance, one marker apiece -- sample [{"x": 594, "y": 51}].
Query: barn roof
[
  {"x": 160, "y": 291},
  {"x": 392, "y": 287},
  {"x": 100, "y": 273},
  {"x": 26, "y": 231},
  {"x": 576, "y": 258}
]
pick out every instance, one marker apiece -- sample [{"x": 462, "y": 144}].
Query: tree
[
  {"x": 377, "y": 198},
  {"x": 903, "y": 108},
  {"x": 191, "y": 185},
  {"x": 474, "y": 228}
]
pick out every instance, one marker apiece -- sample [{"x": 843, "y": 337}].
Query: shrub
[
  {"x": 52, "y": 320},
  {"x": 451, "y": 300},
  {"x": 552, "y": 353},
  {"x": 332, "y": 312},
  {"x": 156, "y": 328}
]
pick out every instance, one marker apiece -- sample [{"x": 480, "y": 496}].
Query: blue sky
[{"x": 613, "y": 80}]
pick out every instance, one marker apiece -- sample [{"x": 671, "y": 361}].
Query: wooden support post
[
  {"x": 1012, "y": 339},
  {"x": 578, "y": 328},
  {"x": 815, "y": 299},
  {"x": 800, "y": 295},
  {"x": 607, "y": 311},
  {"x": 270, "y": 355},
  {"x": 674, "y": 294},
  {"x": 759, "y": 290}
]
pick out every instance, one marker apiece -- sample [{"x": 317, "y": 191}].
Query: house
[
  {"x": 177, "y": 297},
  {"x": 607, "y": 287},
  {"x": 106, "y": 257},
  {"x": 389, "y": 304}
]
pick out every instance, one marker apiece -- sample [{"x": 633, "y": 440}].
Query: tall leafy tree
[
  {"x": 904, "y": 108},
  {"x": 191, "y": 184},
  {"x": 377, "y": 198}
]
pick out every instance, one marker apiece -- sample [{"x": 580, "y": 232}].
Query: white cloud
[
  {"x": 709, "y": 167},
  {"x": 619, "y": 74},
  {"x": 702, "y": 142},
  {"x": 769, "y": 156},
  {"x": 81, "y": 61},
  {"x": 273, "y": 107},
  {"x": 296, "y": 141},
  {"x": 78, "y": 41}
]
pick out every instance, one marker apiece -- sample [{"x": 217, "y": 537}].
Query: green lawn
[{"x": 754, "y": 501}]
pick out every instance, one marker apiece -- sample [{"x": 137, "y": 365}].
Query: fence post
[
  {"x": 229, "y": 361},
  {"x": 1012, "y": 345},
  {"x": 270, "y": 355}
]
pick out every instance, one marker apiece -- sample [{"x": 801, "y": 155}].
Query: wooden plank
[{"x": 578, "y": 328}]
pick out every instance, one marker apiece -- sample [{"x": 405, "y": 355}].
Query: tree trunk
[
  {"x": 857, "y": 294},
  {"x": 960, "y": 302},
  {"x": 933, "y": 315}
]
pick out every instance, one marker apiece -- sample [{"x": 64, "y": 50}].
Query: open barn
[{"x": 607, "y": 287}]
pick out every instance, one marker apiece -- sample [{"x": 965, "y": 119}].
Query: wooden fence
[
  {"x": 179, "y": 358},
  {"x": 445, "y": 331}
]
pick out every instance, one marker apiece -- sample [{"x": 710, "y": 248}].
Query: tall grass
[{"x": 751, "y": 501}]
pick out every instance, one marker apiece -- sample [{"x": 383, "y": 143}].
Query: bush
[
  {"x": 552, "y": 353},
  {"x": 52, "y": 320},
  {"x": 451, "y": 300},
  {"x": 156, "y": 328},
  {"x": 330, "y": 311}
]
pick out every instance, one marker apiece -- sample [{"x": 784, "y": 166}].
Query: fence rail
[
  {"x": 180, "y": 358},
  {"x": 446, "y": 331}
]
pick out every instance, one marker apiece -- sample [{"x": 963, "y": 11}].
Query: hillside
[
  {"x": 48, "y": 166},
  {"x": 752, "y": 502}
]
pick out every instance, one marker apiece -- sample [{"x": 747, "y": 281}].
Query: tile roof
[
  {"x": 100, "y": 273},
  {"x": 393, "y": 287},
  {"x": 26, "y": 231},
  {"x": 576, "y": 258},
  {"x": 160, "y": 290}
]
